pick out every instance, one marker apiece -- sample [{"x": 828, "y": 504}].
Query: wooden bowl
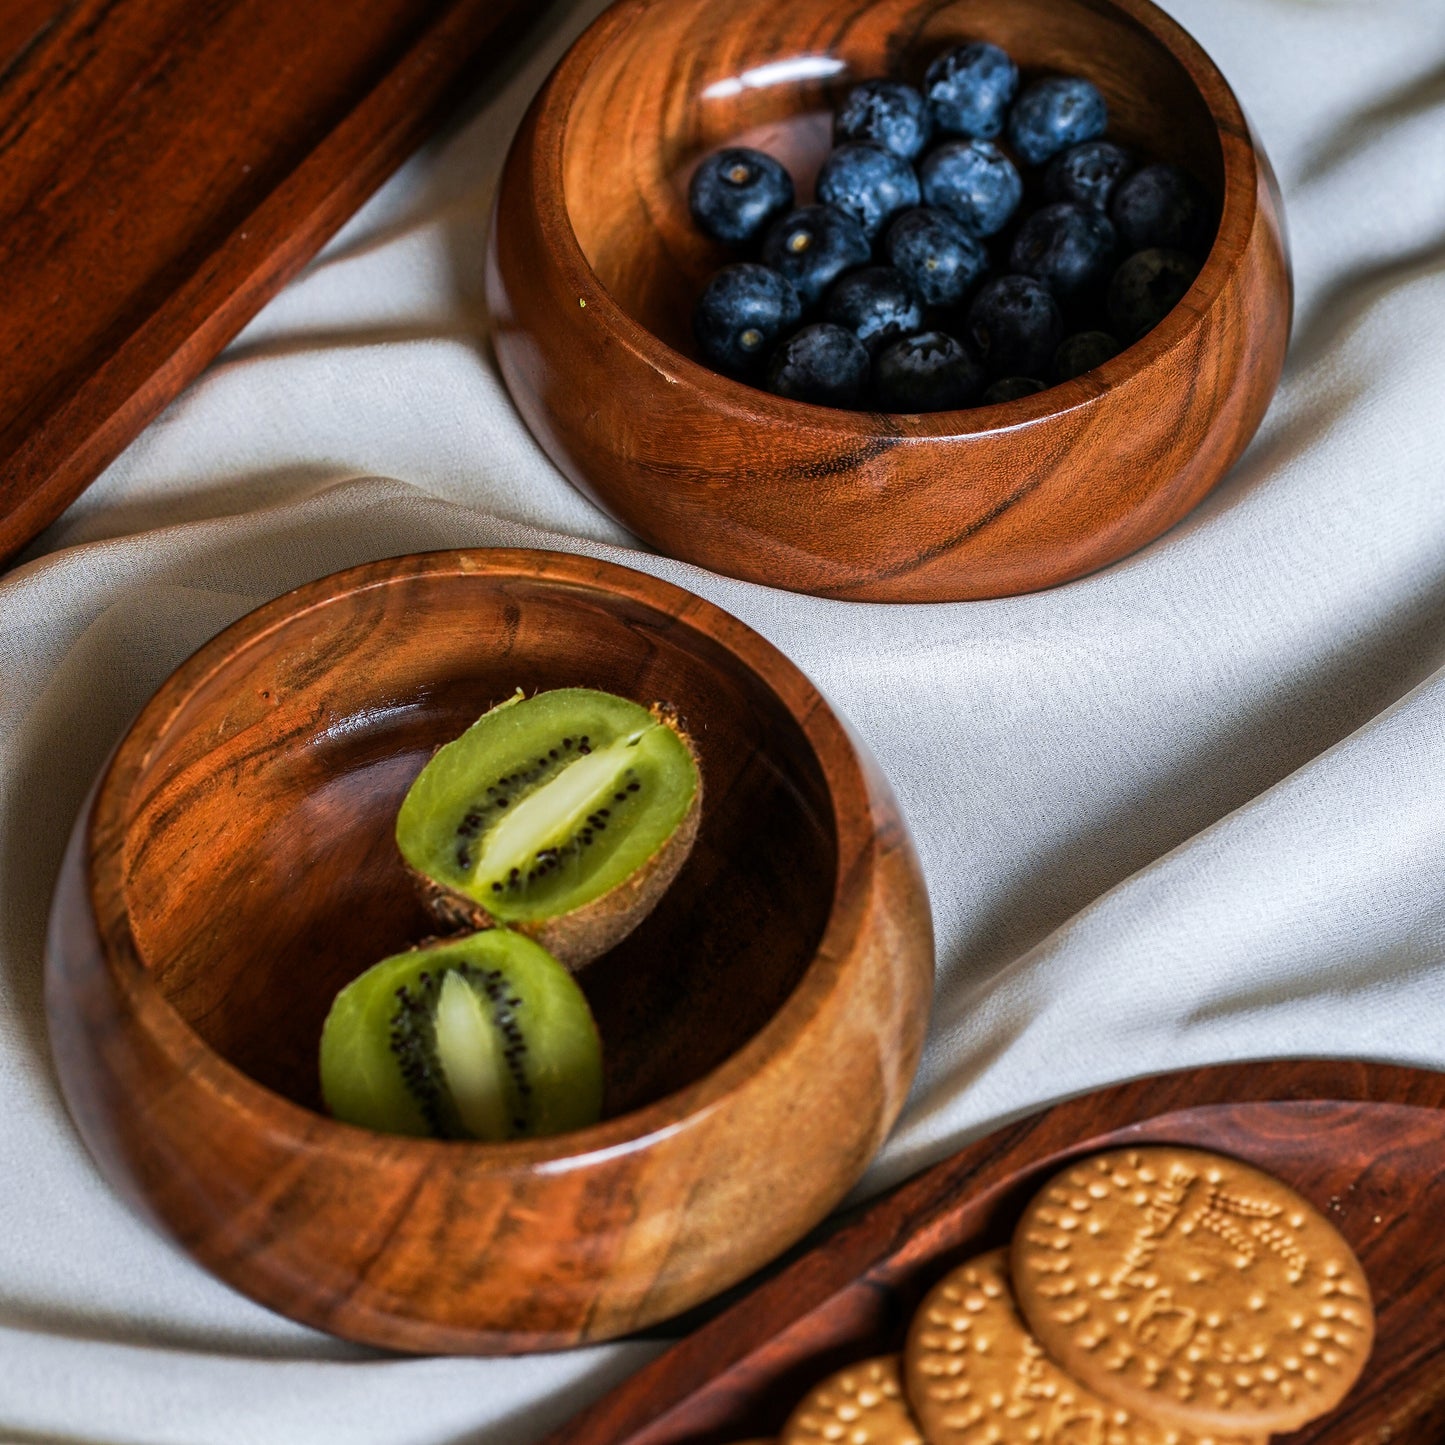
[
  {"x": 236, "y": 866},
  {"x": 594, "y": 267},
  {"x": 1364, "y": 1142}
]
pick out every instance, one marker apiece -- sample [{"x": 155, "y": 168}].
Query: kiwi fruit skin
[
  {"x": 584, "y": 932},
  {"x": 553, "y": 1071}
]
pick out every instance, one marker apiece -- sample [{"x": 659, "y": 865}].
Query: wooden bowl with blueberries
[{"x": 897, "y": 301}]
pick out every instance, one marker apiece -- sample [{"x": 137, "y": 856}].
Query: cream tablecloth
[{"x": 1189, "y": 809}]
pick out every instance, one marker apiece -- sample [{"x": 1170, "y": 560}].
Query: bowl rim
[
  {"x": 550, "y": 119},
  {"x": 846, "y": 779}
]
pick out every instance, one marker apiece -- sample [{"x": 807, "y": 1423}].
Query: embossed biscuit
[
  {"x": 1194, "y": 1288},
  {"x": 975, "y": 1376},
  {"x": 862, "y": 1405}
]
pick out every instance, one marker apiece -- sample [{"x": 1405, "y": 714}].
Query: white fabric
[{"x": 1189, "y": 809}]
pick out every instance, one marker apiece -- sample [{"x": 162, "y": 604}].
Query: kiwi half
[
  {"x": 563, "y": 816},
  {"x": 486, "y": 1037}
]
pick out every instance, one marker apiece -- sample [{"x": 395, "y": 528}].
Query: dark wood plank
[
  {"x": 165, "y": 166},
  {"x": 1364, "y": 1142}
]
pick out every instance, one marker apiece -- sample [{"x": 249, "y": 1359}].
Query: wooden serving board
[
  {"x": 1364, "y": 1142},
  {"x": 165, "y": 166}
]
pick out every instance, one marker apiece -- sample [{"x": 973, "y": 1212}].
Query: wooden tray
[
  {"x": 1363, "y": 1142},
  {"x": 165, "y": 166}
]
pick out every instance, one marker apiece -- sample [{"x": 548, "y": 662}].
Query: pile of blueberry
[{"x": 922, "y": 279}]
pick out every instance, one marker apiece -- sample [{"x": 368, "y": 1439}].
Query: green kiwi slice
[
  {"x": 564, "y": 816},
  {"x": 486, "y": 1037}
]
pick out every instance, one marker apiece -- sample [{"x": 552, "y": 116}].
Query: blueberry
[
  {"x": 1082, "y": 352},
  {"x": 1064, "y": 247},
  {"x": 975, "y": 182},
  {"x": 868, "y": 183},
  {"x": 888, "y": 113},
  {"x": 1088, "y": 174},
  {"x": 821, "y": 363},
  {"x": 740, "y": 315},
  {"x": 927, "y": 372},
  {"x": 1011, "y": 388},
  {"x": 1162, "y": 205},
  {"x": 969, "y": 88},
  {"x": 813, "y": 246},
  {"x": 876, "y": 304},
  {"x": 941, "y": 260},
  {"x": 735, "y": 194},
  {"x": 1015, "y": 326},
  {"x": 1053, "y": 114},
  {"x": 1146, "y": 288}
]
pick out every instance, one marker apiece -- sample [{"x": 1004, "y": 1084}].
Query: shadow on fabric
[{"x": 1356, "y": 132}]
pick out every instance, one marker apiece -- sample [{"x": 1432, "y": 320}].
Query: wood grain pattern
[
  {"x": 22, "y": 23},
  {"x": 1365, "y": 1143},
  {"x": 237, "y": 866},
  {"x": 594, "y": 267},
  {"x": 164, "y": 168}
]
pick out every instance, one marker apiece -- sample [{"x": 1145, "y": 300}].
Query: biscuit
[
  {"x": 862, "y": 1405},
  {"x": 1193, "y": 1288},
  {"x": 975, "y": 1376}
]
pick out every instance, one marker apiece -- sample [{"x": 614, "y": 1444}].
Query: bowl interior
[
  {"x": 676, "y": 81},
  {"x": 259, "y": 863}
]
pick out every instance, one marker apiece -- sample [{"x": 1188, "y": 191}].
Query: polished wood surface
[
  {"x": 237, "y": 865},
  {"x": 1365, "y": 1143},
  {"x": 164, "y": 168},
  {"x": 594, "y": 267}
]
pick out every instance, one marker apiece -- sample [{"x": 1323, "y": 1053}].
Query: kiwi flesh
[
  {"x": 563, "y": 816},
  {"x": 486, "y": 1037}
]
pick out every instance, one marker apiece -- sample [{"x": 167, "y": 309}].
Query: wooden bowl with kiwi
[
  {"x": 595, "y": 265},
  {"x": 238, "y": 865}
]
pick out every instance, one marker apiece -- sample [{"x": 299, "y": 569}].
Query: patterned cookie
[
  {"x": 862, "y": 1405},
  {"x": 1194, "y": 1288},
  {"x": 975, "y": 1376}
]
